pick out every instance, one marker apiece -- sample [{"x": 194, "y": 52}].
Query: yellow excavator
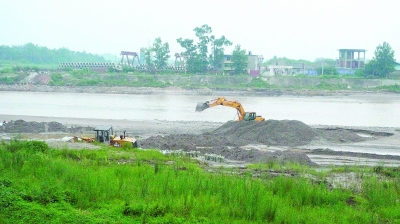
[
  {"x": 105, "y": 134},
  {"x": 242, "y": 115}
]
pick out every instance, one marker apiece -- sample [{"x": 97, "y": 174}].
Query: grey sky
[{"x": 305, "y": 29}]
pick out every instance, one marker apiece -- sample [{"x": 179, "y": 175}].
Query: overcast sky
[{"x": 296, "y": 29}]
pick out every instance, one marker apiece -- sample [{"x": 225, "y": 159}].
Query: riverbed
[{"x": 145, "y": 115}]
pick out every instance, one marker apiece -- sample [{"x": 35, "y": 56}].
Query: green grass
[
  {"x": 43, "y": 185},
  {"x": 390, "y": 88}
]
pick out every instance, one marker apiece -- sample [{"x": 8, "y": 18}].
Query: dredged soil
[{"x": 249, "y": 142}]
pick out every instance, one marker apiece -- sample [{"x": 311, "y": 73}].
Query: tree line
[
  {"x": 206, "y": 53},
  {"x": 31, "y": 53},
  {"x": 201, "y": 55}
]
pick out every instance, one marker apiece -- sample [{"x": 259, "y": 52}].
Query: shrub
[{"x": 32, "y": 146}]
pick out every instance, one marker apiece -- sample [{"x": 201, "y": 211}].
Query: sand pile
[
  {"x": 228, "y": 139},
  {"x": 21, "y": 126},
  {"x": 270, "y": 132}
]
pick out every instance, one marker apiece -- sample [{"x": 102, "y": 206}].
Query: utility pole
[{"x": 322, "y": 61}]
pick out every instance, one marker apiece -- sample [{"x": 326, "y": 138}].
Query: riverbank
[{"x": 186, "y": 91}]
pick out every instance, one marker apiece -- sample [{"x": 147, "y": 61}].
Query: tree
[
  {"x": 217, "y": 56},
  {"x": 190, "y": 53},
  {"x": 202, "y": 33},
  {"x": 199, "y": 58},
  {"x": 32, "y": 53},
  {"x": 161, "y": 52},
  {"x": 239, "y": 59},
  {"x": 148, "y": 57},
  {"x": 383, "y": 62}
]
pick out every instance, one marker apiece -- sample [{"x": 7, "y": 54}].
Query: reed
[{"x": 43, "y": 185}]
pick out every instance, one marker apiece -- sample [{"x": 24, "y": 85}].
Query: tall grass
[{"x": 42, "y": 185}]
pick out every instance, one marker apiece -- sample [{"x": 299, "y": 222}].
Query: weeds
[{"x": 42, "y": 185}]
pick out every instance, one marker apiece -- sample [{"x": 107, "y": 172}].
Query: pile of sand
[
  {"x": 228, "y": 139},
  {"x": 270, "y": 132},
  {"x": 21, "y": 126}
]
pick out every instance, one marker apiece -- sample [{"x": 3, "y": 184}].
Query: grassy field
[{"x": 123, "y": 185}]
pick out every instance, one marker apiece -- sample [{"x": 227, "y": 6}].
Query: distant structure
[
  {"x": 179, "y": 60},
  {"x": 98, "y": 66},
  {"x": 253, "y": 64},
  {"x": 348, "y": 60},
  {"x": 127, "y": 54},
  {"x": 279, "y": 70}
]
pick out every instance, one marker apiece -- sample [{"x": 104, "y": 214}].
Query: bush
[
  {"x": 32, "y": 146},
  {"x": 5, "y": 70},
  {"x": 56, "y": 79}
]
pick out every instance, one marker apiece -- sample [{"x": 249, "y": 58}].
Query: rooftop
[{"x": 356, "y": 50}]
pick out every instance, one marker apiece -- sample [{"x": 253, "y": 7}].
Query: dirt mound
[
  {"x": 228, "y": 139},
  {"x": 20, "y": 126},
  {"x": 41, "y": 79},
  {"x": 270, "y": 132},
  {"x": 339, "y": 135},
  {"x": 257, "y": 156}
]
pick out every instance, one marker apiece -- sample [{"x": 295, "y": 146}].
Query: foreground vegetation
[{"x": 43, "y": 185}]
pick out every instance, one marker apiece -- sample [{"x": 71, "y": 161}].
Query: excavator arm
[{"x": 242, "y": 115}]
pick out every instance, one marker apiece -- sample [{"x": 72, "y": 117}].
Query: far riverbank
[{"x": 185, "y": 91}]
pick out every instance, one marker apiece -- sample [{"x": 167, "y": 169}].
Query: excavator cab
[
  {"x": 252, "y": 116},
  {"x": 103, "y": 134},
  {"x": 249, "y": 116}
]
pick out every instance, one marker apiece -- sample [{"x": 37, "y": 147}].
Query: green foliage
[
  {"x": 391, "y": 88},
  {"x": 31, "y": 146},
  {"x": 81, "y": 73},
  {"x": 383, "y": 62},
  {"x": 216, "y": 58},
  {"x": 257, "y": 83},
  {"x": 56, "y": 79},
  {"x": 239, "y": 60},
  {"x": 327, "y": 86},
  {"x": 127, "y": 69},
  {"x": 19, "y": 68},
  {"x": 8, "y": 80},
  {"x": 31, "y": 53},
  {"x": 329, "y": 70},
  {"x": 161, "y": 51},
  {"x": 198, "y": 56},
  {"x": 286, "y": 61},
  {"x": 144, "y": 186},
  {"x": 6, "y": 70}
]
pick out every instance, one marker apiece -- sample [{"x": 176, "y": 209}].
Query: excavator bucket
[{"x": 201, "y": 106}]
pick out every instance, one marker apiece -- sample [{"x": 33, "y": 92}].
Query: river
[{"x": 370, "y": 109}]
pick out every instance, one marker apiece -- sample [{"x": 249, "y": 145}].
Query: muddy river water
[{"x": 372, "y": 109}]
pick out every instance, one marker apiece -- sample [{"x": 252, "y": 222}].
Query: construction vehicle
[
  {"x": 105, "y": 134},
  {"x": 242, "y": 115}
]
